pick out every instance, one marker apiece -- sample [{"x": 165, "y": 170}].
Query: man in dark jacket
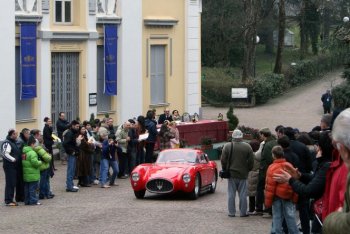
[
  {"x": 238, "y": 157},
  {"x": 72, "y": 150},
  {"x": 62, "y": 125},
  {"x": 11, "y": 154},
  {"x": 165, "y": 116},
  {"x": 266, "y": 160},
  {"x": 289, "y": 155},
  {"x": 22, "y": 141},
  {"x": 339, "y": 222},
  {"x": 327, "y": 102},
  {"x": 151, "y": 127}
]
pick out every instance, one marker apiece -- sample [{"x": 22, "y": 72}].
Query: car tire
[
  {"x": 214, "y": 182},
  {"x": 197, "y": 187},
  {"x": 140, "y": 194}
]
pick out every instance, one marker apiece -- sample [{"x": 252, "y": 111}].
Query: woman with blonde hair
[{"x": 174, "y": 142}]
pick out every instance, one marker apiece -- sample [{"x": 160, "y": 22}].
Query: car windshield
[{"x": 177, "y": 156}]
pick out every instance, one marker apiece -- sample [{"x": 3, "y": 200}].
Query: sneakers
[
  {"x": 267, "y": 215},
  {"x": 231, "y": 215},
  {"x": 76, "y": 187},
  {"x": 254, "y": 213},
  {"x": 12, "y": 204},
  {"x": 105, "y": 186},
  {"x": 96, "y": 182},
  {"x": 246, "y": 215},
  {"x": 124, "y": 176},
  {"x": 74, "y": 190}
]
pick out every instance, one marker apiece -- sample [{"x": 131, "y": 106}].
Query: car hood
[{"x": 168, "y": 170}]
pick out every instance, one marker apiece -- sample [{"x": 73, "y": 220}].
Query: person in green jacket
[
  {"x": 338, "y": 222},
  {"x": 31, "y": 172}
]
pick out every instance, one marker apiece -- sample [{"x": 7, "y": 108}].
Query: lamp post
[{"x": 257, "y": 40}]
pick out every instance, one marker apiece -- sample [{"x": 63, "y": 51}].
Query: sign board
[
  {"x": 239, "y": 93},
  {"x": 92, "y": 99}
]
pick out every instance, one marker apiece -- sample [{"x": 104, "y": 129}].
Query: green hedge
[
  {"x": 217, "y": 82},
  {"x": 341, "y": 95}
]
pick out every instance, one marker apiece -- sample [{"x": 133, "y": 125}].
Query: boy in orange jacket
[{"x": 280, "y": 195}]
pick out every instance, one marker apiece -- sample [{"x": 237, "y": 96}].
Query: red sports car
[{"x": 186, "y": 170}]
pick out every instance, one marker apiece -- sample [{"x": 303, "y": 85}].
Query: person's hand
[
  {"x": 80, "y": 137},
  {"x": 340, "y": 209},
  {"x": 128, "y": 139},
  {"x": 281, "y": 177}
]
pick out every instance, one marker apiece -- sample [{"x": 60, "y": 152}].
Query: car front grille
[{"x": 159, "y": 186}]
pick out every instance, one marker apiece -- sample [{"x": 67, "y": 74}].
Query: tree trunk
[
  {"x": 303, "y": 33},
  {"x": 281, "y": 30}
]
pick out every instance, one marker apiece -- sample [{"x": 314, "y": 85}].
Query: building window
[
  {"x": 23, "y": 107},
  {"x": 63, "y": 11},
  {"x": 158, "y": 84},
  {"x": 103, "y": 100}
]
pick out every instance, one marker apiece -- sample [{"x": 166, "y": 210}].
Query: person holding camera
[
  {"x": 238, "y": 157},
  {"x": 108, "y": 159},
  {"x": 71, "y": 148}
]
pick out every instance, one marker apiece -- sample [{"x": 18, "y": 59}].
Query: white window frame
[{"x": 63, "y": 12}]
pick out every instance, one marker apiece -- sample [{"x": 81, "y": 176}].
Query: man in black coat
[
  {"x": 165, "y": 116},
  {"x": 327, "y": 102},
  {"x": 61, "y": 124}
]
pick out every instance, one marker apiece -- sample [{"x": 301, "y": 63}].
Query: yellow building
[{"x": 154, "y": 63}]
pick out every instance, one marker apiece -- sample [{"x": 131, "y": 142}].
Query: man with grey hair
[
  {"x": 339, "y": 221},
  {"x": 326, "y": 122},
  {"x": 238, "y": 157}
]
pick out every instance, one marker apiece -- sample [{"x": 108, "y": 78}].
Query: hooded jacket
[
  {"x": 31, "y": 165},
  {"x": 44, "y": 157}
]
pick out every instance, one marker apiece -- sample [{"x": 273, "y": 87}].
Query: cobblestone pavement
[
  {"x": 116, "y": 210},
  {"x": 300, "y": 107}
]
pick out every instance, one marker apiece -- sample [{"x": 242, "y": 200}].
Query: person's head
[
  {"x": 326, "y": 122},
  {"x": 87, "y": 125},
  {"x": 305, "y": 139},
  {"x": 25, "y": 133},
  {"x": 279, "y": 131},
  {"x": 315, "y": 136},
  {"x": 166, "y": 111},
  {"x": 75, "y": 125},
  {"x": 103, "y": 132},
  {"x": 172, "y": 124},
  {"x": 237, "y": 135},
  {"x": 110, "y": 122},
  {"x": 36, "y": 134},
  {"x": 175, "y": 112},
  {"x": 31, "y": 141},
  {"x": 328, "y": 91},
  {"x": 12, "y": 133},
  {"x": 265, "y": 133},
  {"x": 48, "y": 121},
  {"x": 141, "y": 121},
  {"x": 325, "y": 145},
  {"x": 277, "y": 152},
  {"x": 164, "y": 128},
  {"x": 62, "y": 115},
  {"x": 254, "y": 144},
  {"x": 82, "y": 130},
  {"x": 150, "y": 114},
  {"x": 283, "y": 142},
  {"x": 132, "y": 123},
  {"x": 341, "y": 135},
  {"x": 290, "y": 133}
]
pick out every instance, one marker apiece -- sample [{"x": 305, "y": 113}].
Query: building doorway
[{"x": 64, "y": 85}]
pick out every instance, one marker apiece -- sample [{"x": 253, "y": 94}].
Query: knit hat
[{"x": 237, "y": 134}]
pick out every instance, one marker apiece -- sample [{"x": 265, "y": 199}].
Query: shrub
[
  {"x": 341, "y": 95},
  {"x": 250, "y": 131},
  {"x": 268, "y": 86},
  {"x": 232, "y": 119}
]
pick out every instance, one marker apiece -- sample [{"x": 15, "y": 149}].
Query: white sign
[{"x": 239, "y": 93}]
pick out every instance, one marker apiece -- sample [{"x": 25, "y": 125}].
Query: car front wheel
[
  {"x": 197, "y": 186},
  {"x": 140, "y": 194}
]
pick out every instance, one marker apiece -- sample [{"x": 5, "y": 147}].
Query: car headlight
[
  {"x": 186, "y": 178},
  {"x": 135, "y": 176}
]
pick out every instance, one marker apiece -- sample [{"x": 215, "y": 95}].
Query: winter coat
[
  {"x": 61, "y": 126},
  {"x": 241, "y": 160},
  {"x": 69, "y": 142},
  {"x": 121, "y": 135},
  {"x": 304, "y": 154},
  {"x": 44, "y": 157},
  {"x": 339, "y": 222},
  {"x": 31, "y": 165},
  {"x": 11, "y": 153},
  {"x": 274, "y": 189},
  {"x": 266, "y": 156},
  {"x": 253, "y": 177},
  {"x": 84, "y": 158},
  {"x": 335, "y": 187},
  {"x": 312, "y": 185},
  {"x": 47, "y": 136},
  {"x": 151, "y": 127}
]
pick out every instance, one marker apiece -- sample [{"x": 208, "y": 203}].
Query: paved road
[
  {"x": 116, "y": 210},
  {"x": 300, "y": 107}
]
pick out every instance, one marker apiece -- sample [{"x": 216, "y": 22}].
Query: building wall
[
  {"x": 173, "y": 37},
  {"x": 7, "y": 79}
]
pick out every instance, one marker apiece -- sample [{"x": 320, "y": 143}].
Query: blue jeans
[
  {"x": 44, "y": 184},
  {"x": 104, "y": 166},
  {"x": 283, "y": 209},
  {"x": 71, "y": 161},
  {"x": 30, "y": 196},
  {"x": 240, "y": 186}
]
